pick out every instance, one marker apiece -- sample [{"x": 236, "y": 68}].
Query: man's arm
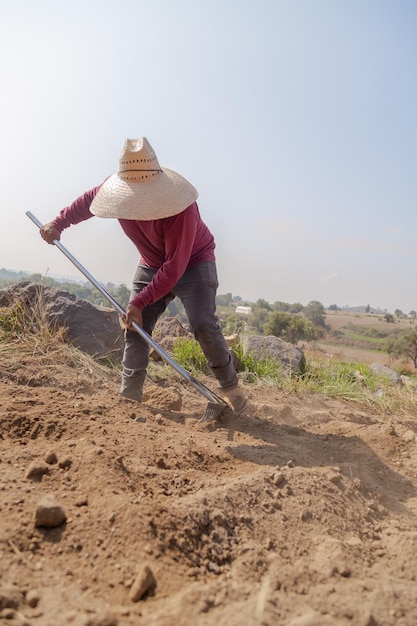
[{"x": 76, "y": 212}]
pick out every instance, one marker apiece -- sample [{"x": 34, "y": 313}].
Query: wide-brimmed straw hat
[{"x": 142, "y": 189}]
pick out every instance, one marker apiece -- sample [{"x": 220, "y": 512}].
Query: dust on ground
[{"x": 300, "y": 513}]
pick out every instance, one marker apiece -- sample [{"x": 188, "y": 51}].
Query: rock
[
  {"x": 37, "y": 469},
  {"x": 144, "y": 582},
  {"x": 386, "y": 372},
  {"x": 33, "y": 597},
  {"x": 291, "y": 358},
  {"x": 82, "y": 501},
  {"x": 51, "y": 458},
  {"x": 9, "y": 614},
  {"x": 49, "y": 513},
  {"x": 166, "y": 333},
  {"x": 65, "y": 463},
  {"x": 278, "y": 478},
  {"x": 92, "y": 329},
  {"x": 170, "y": 327},
  {"x": 10, "y": 597}
]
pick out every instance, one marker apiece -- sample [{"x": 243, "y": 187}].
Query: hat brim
[{"x": 161, "y": 196}]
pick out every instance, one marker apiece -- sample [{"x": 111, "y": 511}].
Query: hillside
[{"x": 300, "y": 513}]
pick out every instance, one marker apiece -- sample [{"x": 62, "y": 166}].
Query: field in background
[
  {"x": 362, "y": 337},
  {"x": 339, "y": 319}
]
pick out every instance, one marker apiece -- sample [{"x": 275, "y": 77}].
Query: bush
[{"x": 188, "y": 354}]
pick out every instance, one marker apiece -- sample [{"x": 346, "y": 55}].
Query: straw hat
[{"x": 142, "y": 189}]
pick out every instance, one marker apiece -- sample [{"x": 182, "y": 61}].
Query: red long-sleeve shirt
[{"x": 169, "y": 245}]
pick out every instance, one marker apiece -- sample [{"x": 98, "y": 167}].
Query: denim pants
[{"x": 197, "y": 291}]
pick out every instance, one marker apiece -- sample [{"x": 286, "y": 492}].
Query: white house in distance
[{"x": 245, "y": 310}]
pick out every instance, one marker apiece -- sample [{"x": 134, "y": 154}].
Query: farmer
[{"x": 157, "y": 209}]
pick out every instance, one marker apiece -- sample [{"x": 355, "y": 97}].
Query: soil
[{"x": 302, "y": 512}]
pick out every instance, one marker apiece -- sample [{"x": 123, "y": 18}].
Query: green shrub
[
  {"x": 336, "y": 379},
  {"x": 269, "y": 370},
  {"x": 188, "y": 354}
]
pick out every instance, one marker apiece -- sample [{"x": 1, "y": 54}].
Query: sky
[{"x": 295, "y": 120}]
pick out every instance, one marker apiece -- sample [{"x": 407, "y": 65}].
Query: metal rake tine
[{"x": 212, "y": 411}]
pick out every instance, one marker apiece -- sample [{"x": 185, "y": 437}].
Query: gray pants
[{"x": 197, "y": 291}]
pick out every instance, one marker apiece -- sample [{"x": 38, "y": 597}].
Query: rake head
[{"x": 212, "y": 411}]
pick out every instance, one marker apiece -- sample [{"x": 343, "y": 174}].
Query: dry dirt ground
[{"x": 300, "y": 513}]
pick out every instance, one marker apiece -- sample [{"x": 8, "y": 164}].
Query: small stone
[
  {"x": 10, "y": 597},
  {"x": 409, "y": 436},
  {"x": 144, "y": 582},
  {"x": 278, "y": 478},
  {"x": 51, "y": 458},
  {"x": 49, "y": 513},
  {"x": 32, "y": 598},
  {"x": 65, "y": 463},
  {"x": 37, "y": 469},
  {"x": 82, "y": 501}
]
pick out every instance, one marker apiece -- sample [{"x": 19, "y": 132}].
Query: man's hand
[
  {"x": 133, "y": 314},
  {"x": 49, "y": 233}
]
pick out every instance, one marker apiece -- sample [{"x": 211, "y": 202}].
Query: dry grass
[
  {"x": 35, "y": 362},
  {"x": 34, "y": 353}
]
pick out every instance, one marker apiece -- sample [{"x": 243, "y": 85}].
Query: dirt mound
[{"x": 300, "y": 513}]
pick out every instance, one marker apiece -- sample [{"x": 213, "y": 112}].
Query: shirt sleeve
[
  {"x": 179, "y": 235},
  {"x": 76, "y": 212}
]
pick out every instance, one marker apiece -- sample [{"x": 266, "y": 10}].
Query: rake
[{"x": 216, "y": 405}]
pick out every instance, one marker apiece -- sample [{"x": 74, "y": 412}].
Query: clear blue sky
[{"x": 295, "y": 119}]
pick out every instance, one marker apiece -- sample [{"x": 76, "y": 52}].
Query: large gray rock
[
  {"x": 90, "y": 328},
  {"x": 291, "y": 358},
  {"x": 386, "y": 372}
]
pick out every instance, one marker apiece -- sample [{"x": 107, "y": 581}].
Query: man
[{"x": 156, "y": 207}]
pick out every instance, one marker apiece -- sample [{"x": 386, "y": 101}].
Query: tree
[
  {"x": 314, "y": 311},
  {"x": 413, "y": 315},
  {"x": 398, "y": 313},
  {"x": 368, "y": 308},
  {"x": 388, "y": 317},
  {"x": 122, "y": 295},
  {"x": 225, "y": 299},
  {"x": 176, "y": 309},
  {"x": 257, "y": 318},
  {"x": 297, "y": 307},
  {"x": 233, "y": 325},
  {"x": 291, "y": 328},
  {"x": 404, "y": 343},
  {"x": 262, "y": 304},
  {"x": 281, "y": 306},
  {"x": 277, "y": 323}
]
